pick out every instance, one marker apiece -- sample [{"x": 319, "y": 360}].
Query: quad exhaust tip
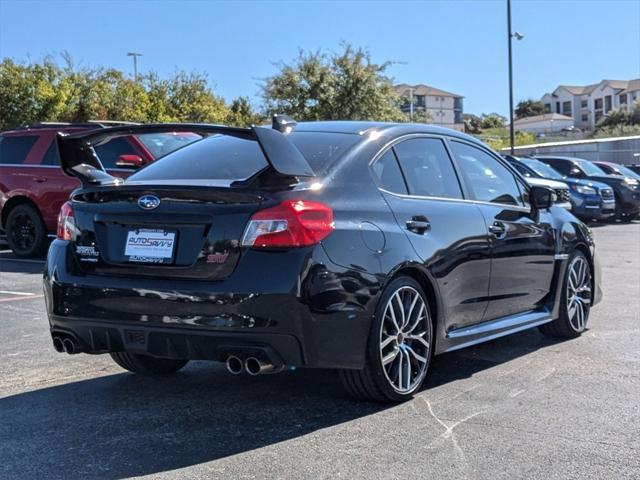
[
  {"x": 254, "y": 366},
  {"x": 58, "y": 344},
  {"x": 234, "y": 365},
  {"x": 69, "y": 346}
]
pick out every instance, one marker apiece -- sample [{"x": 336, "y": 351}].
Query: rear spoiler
[{"x": 78, "y": 157}]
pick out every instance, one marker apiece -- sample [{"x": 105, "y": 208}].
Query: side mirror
[
  {"x": 576, "y": 172},
  {"x": 129, "y": 161},
  {"x": 541, "y": 197}
]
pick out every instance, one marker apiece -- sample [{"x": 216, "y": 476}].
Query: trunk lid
[{"x": 192, "y": 232}]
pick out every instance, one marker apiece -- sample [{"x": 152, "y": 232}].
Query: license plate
[{"x": 149, "y": 246}]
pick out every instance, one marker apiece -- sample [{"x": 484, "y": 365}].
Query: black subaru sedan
[{"x": 357, "y": 246}]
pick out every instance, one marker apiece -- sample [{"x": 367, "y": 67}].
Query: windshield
[
  {"x": 542, "y": 169},
  {"x": 627, "y": 172},
  {"x": 223, "y": 157},
  {"x": 160, "y": 144},
  {"x": 589, "y": 168}
]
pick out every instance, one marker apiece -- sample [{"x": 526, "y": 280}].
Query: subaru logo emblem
[{"x": 148, "y": 202}]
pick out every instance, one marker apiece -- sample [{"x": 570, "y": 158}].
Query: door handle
[
  {"x": 40, "y": 179},
  {"x": 498, "y": 229},
  {"x": 418, "y": 224}
]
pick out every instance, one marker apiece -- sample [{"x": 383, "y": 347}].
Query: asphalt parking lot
[{"x": 518, "y": 407}]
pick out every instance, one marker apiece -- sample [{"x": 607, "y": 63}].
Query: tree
[
  {"x": 493, "y": 120},
  {"x": 615, "y": 118},
  {"x": 46, "y": 91},
  {"x": 529, "y": 108},
  {"x": 320, "y": 86},
  {"x": 241, "y": 114},
  {"x": 472, "y": 123}
]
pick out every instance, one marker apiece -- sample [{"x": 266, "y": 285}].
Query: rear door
[
  {"x": 448, "y": 233},
  {"x": 522, "y": 241}
]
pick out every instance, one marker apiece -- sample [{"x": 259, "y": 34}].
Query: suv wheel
[
  {"x": 399, "y": 347},
  {"x": 576, "y": 300},
  {"x": 146, "y": 364},
  {"x": 26, "y": 233}
]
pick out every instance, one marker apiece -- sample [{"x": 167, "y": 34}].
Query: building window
[
  {"x": 585, "y": 117},
  {"x": 623, "y": 99},
  {"x": 557, "y": 107},
  {"x": 566, "y": 108},
  {"x": 597, "y": 104},
  {"x": 607, "y": 103},
  {"x": 547, "y": 108},
  {"x": 584, "y": 104},
  {"x": 598, "y": 116}
]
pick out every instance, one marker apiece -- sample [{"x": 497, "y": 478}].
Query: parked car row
[
  {"x": 598, "y": 190},
  {"x": 33, "y": 187}
]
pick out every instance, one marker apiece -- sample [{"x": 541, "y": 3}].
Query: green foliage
[
  {"x": 529, "y": 108},
  {"x": 320, "y": 86},
  {"x": 492, "y": 120},
  {"x": 46, "y": 91},
  {"x": 472, "y": 123},
  {"x": 498, "y": 138},
  {"x": 241, "y": 114}
]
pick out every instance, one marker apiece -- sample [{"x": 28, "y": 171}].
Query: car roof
[
  {"x": 357, "y": 127},
  {"x": 32, "y": 131},
  {"x": 559, "y": 157}
]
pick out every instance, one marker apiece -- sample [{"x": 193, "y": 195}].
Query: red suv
[{"x": 33, "y": 187}]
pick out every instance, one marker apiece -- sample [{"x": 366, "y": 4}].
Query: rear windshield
[
  {"x": 160, "y": 144},
  {"x": 223, "y": 157}
]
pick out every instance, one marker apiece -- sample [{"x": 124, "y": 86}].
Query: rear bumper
[{"x": 315, "y": 319}]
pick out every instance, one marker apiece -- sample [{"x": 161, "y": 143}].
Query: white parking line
[{"x": 9, "y": 292}]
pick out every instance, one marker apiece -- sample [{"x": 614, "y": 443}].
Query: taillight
[
  {"x": 66, "y": 223},
  {"x": 293, "y": 223}
]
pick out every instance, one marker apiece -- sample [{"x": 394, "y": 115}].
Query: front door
[{"x": 522, "y": 240}]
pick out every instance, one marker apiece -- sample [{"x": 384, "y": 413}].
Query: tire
[
  {"x": 409, "y": 347},
  {"x": 26, "y": 233},
  {"x": 572, "y": 322},
  {"x": 147, "y": 365}
]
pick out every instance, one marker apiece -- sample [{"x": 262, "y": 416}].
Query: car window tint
[
  {"x": 14, "y": 149},
  {"x": 111, "y": 151},
  {"x": 52, "y": 157},
  {"x": 387, "y": 170},
  {"x": 220, "y": 157},
  {"x": 322, "y": 149},
  {"x": 427, "y": 168},
  {"x": 561, "y": 166},
  {"x": 522, "y": 169},
  {"x": 159, "y": 144},
  {"x": 487, "y": 178}
]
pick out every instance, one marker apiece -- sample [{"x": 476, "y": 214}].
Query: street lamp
[
  {"x": 135, "y": 63},
  {"x": 517, "y": 36}
]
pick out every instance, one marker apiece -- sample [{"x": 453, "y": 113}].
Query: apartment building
[
  {"x": 588, "y": 104},
  {"x": 436, "y": 106}
]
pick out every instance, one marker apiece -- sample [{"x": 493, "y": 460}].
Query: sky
[{"x": 455, "y": 45}]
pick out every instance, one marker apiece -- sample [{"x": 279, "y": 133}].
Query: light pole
[
  {"x": 517, "y": 36},
  {"x": 135, "y": 63}
]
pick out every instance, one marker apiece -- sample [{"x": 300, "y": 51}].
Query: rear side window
[
  {"x": 52, "y": 157},
  {"x": 110, "y": 152},
  {"x": 487, "y": 178},
  {"x": 14, "y": 149},
  {"x": 427, "y": 168},
  {"x": 220, "y": 157},
  {"x": 387, "y": 170},
  {"x": 322, "y": 149}
]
